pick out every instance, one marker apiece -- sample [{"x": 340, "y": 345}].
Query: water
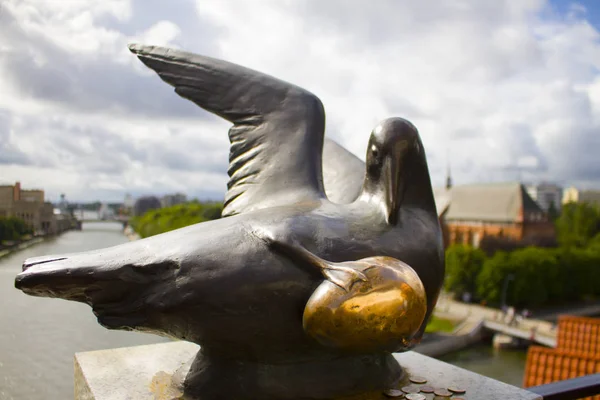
[
  {"x": 507, "y": 366},
  {"x": 39, "y": 336}
]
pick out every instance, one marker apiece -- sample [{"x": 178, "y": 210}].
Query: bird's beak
[{"x": 393, "y": 184}]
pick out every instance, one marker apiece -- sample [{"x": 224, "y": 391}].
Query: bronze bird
[{"x": 239, "y": 286}]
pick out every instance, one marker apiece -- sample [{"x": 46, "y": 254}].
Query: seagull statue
[{"x": 240, "y": 286}]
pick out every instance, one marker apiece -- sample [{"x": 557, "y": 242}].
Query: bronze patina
[{"x": 291, "y": 295}]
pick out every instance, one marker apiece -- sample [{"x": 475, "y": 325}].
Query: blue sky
[
  {"x": 506, "y": 88},
  {"x": 592, "y": 9}
]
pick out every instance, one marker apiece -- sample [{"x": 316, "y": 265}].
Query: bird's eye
[{"x": 374, "y": 151}]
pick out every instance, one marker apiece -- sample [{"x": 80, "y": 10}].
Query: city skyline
[{"x": 503, "y": 90}]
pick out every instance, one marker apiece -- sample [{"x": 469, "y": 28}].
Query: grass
[{"x": 437, "y": 324}]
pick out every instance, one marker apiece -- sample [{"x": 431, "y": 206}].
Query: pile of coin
[{"x": 415, "y": 392}]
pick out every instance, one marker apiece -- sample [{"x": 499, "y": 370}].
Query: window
[{"x": 475, "y": 239}]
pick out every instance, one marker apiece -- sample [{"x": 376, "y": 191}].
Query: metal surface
[
  {"x": 441, "y": 392},
  {"x": 227, "y": 285},
  {"x": 418, "y": 379},
  {"x": 394, "y": 393},
  {"x": 410, "y": 389},
  {"x": 569, "y": 389},
  {"x": 343, "y": 173},
  {"x": 456, "y": 389},
  {"x": 427, "y": 389}
]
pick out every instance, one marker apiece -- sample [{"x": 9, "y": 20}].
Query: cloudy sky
[{"x": 504, "y": 89}]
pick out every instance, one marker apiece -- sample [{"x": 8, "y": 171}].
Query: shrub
[
  {"x": 577, "y": 224},
  {"x": 13, "y": 228},
  {"x": 167, "y": 219},
  {"x": 540, "y": 276}
]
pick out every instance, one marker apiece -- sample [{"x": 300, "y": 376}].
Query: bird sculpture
[{"x": 289, "y": 295}]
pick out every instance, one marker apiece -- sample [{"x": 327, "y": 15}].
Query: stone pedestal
[
  {"x": 136, "y": 373},
  {"x": 145, "y": 373}
]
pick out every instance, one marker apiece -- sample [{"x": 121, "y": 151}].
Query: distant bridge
[
  {"x": 123, "y": 219},
  {"x": 547, "y": 338},
  {"x": 531, "y": 330},
  {"x": 476, "y": 318}
]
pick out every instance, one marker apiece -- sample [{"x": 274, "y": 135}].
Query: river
[
  {"x": 507, "y": 366},
  {"x": 39, "y": 336}
]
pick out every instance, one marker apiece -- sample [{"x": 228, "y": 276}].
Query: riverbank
[
  {"x": 21, "y": 245},
  {"x": 130, "y": 233}
]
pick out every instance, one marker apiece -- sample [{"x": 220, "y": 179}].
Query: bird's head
[{"x": 393, "y": 147}]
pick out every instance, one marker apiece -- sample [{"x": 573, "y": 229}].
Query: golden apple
[{"x": 380, "y": 312}]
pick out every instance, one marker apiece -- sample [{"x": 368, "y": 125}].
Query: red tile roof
[
  {"x": 579, "y": 334},
  {"x": 577, "y": 353}
]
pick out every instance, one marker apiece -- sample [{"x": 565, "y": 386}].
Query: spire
[{"x": 448, "y": 175}]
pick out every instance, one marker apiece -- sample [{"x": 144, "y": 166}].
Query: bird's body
[{"x": 218, "y": 283}]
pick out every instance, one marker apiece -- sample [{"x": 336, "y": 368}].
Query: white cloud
[
  {"x": 160, "y": 34},
  {"x": 503, "y": 86}
]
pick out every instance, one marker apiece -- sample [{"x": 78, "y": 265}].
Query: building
[
  {"x": 145, "y": 204},
  {"x": 173, "y": 199},
  {"x": 28, "y": 205},
  {"x": 470, "y": 213},
  {"x": 62, "y": 206},
  {"x": 547, "y": 195},
  {"x": 129, "y": 202},
  {"x": 574, "y": 195}
]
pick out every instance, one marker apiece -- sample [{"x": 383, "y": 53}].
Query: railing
[{"x": 569, "y": 389}]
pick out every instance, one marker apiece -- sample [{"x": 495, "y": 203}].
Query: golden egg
[{"x": 379, "y": 313}]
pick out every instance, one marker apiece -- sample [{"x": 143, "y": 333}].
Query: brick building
[
  {"x": 28, "y": 205},
  {"x": 470, "y": 213}
]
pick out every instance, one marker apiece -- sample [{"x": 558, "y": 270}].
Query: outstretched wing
[
  {"x": 343, "y": 173},
  {"x": 277, "y": 136}
]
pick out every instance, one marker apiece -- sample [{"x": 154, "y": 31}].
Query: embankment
[{"x": 6, "y": 250}]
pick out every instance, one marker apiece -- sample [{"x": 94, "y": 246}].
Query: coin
[
  {"x": 410, "y": 389},
  {"x": 427, "y": 389},
  {"x": 456, "y": 389},
  {"x": 394, "y": 393},
  {"x": 415, "y": 396},
  {"x": 442, "y": 393},
  {"x": 418, "y": 379}
]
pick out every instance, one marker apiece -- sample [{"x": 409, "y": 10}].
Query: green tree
[
  {"x": 553, "y": 213},
  {"x": 491, "y": 278},
  {"x": 535, "y": 274},
  {"x": 536, "y": 277},
  {"x": 212, "y": 211},
  {"x": 577, "y": 224},
  {"x": 594, "y": 243},
  {"x": 13, "y": 228},
  {"x": 167, "y": 219},
  {"x": 463, "y": 265},
  {"x": 579, "y": 273}
]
